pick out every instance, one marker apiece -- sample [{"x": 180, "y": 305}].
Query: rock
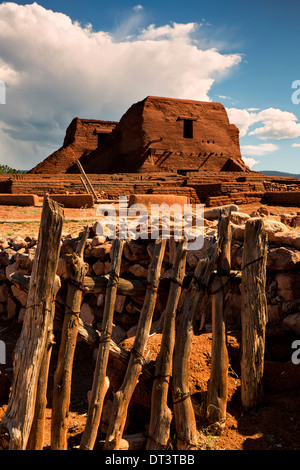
[
  {"x": 2, "y": 308},
  {"x": 292, "y": 322},
  {"x": 120, "y": 303},
  {"x": 272, "y": 227},
  {"x": 273, "y": 314},
  {"x": 61, "y": 268},
  {"x": 10, "y": 269},
  {"x": 4, "y": 292},
  {"x": 135, "y": 251},
  {"x": 239, "y": 218},
  {"x": 98, "y": 240},
  {"x": 193, "y": 256},
  {"x": 289, "y": 238},
  {"x": 22, "y": 260},
  {"x": 68, "y": 246},
  {"x": 288, "y": 285},
  {"x": 17, "y": 243},
  {"x": 20, "y": 295},
  {"x": 263, "y": 210},
  {"x": 6, "y": 256},
  {"x": 87, "y": 314},
  {"x": 3, "y": 243},
  {"x": 283, "y": 259},
  {"x": 118, "y": 334},
  {"x": 99, "y": 268},
  {"x": 296, "y": 221},
  {"x": 101, "y": 251},
  {"x": 12, "y": 308},
  {"x": 138, "y": 270},
  {"x": 214, "y": 212},
  {"x": 100, "y": 300}
]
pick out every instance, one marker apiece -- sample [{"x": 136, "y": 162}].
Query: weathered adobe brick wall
[
  {"x": 151, "y": 136},
  {"x": 285, "y": 198},
  {"x": 210, "y": 188},
  {"x": 81, "y": 139}
]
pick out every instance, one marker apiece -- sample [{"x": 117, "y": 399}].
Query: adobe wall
[
  {"x": 81, "y": 138},
  {"x": 150, "y": 137},
  {"x": 283, "y": 198},
  {"x": 211, "y": 188}
]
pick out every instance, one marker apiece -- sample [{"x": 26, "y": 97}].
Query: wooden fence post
[
  {"x": 30, "y": 348},
  {"x": 218, "y": 382},
  {"x": 161, "y": 415},
  {"x": 76, "y": 270},
  {"x": 185, "y": 423},
  {"x": 101, "y": 382},
  {"x": 135, "y": 365},
  {"x": 254, "y": 312},
  {"x": 36, "y": 438}
]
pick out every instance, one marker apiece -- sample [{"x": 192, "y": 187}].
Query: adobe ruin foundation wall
[{"x": 209, "y": 188}]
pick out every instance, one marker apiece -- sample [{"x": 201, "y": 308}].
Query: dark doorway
[{"x": 188, "y": 129}]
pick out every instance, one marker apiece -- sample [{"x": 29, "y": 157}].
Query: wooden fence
[{"x": 23, "y": 424}]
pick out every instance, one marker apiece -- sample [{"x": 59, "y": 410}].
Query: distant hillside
[{"x": 280, "y": 173}]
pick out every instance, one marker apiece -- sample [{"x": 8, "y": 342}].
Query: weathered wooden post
[
  {"x": 101, "y": 382},
  {"x": 218, "y": 382},
  {"x": 36, "y": 438},
  {"x": 30, "y": 348},
  {"x": 135, "y": 365},
  {"x": 253, "y": 313},
  {"x": 76, "y": 270},
  {"x": 185, "y": 422},
  {"x": 161, "y": 415}
]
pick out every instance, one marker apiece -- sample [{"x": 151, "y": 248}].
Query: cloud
[
  {"x": 56, "y": 69},
  {"x": 250, "y": 162},
  {"x": 258, "y": 150},
  {"x": 276, "y": 124},
  {"x": 295, "y": 145},
  {"x": 138, "y": 8}
]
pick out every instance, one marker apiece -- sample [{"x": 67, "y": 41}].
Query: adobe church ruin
[
  {"x": 154, "y": 135},
  {"x": 160, "y": 146}
]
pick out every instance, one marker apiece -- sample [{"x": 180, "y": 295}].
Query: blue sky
[{"x": 56, "y": 67}]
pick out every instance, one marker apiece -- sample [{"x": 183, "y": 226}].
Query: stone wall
[{"x": 283, "y": 274}]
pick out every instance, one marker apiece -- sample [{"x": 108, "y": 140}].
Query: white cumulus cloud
[
  {"x": 56, "y": 69},
  {"x": 250, "y": 162},
  {"x": 258, "y": 150},
  {"x": 272, "y": 123}
]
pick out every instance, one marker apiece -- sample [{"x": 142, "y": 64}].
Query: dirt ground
[{"x": 273, "y": 425}]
